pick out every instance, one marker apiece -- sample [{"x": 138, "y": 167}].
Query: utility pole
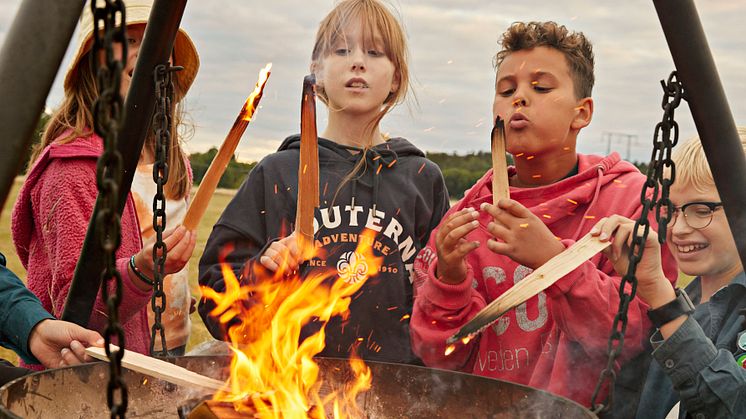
[{"x": 609, "y": 136}]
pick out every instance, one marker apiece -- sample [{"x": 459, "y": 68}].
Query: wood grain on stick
[
  {"x": 539, "y": 280},
  {"x": 159, "y": 369},
  {"x": 221, "y": 160},
  {"x": 500, "y": 187},
  {"x": 308, "y": 167}
]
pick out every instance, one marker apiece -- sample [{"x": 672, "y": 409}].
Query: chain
[
  {"x": 108, "y": 113},
  {"x": 657, "y": 184},
  {"x": 162, "y": 126}
]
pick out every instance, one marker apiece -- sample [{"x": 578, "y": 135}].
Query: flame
[
  {"x": 253, "y": 100},
  {"x": 273, "y": 373}
]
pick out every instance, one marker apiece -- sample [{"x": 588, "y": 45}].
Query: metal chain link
[
  {"x": 658, "y": 183},
  {"x": 162, "y": 126},
  {"x": 108, "y": 113}
]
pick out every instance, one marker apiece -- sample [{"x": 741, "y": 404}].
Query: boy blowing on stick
[{"x": 556, "y": 340}]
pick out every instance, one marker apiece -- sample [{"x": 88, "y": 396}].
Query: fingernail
[
  {"x": 469, "y": 209},
  {"x": 476, "y": 244},
  {"x": 603, "y": 236},
  {"x": 100, "y": 342},
  {"x": 483, "y": 206},
  {"x": 64, "y": 351},
  {"x": 474, "y": 223},
  {"x": 594, "y": 230}
]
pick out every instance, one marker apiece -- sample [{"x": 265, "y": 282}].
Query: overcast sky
[{"x": 452, "y": 43}]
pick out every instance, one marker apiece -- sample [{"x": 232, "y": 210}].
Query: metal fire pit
[{"x": 398, "y": 391}]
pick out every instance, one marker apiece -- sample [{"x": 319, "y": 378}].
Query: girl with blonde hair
[{"x": 366, "y": 180}]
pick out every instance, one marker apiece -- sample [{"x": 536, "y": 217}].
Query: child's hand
[
  {"x": 523, "y": 236},
  {"x": 180, "y": 244},
  {"x": 652, "y": 285},
  {"x": 452, "y": 246},
  {"x": 282, "y": 254}
]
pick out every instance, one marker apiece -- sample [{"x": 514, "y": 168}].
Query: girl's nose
[{"x": 358, "y": 60}]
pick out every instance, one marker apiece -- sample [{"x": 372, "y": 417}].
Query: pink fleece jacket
[
  {"x": 555, "y": 341},
  {"x": 49, "y": 224}
]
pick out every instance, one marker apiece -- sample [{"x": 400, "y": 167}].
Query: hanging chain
[
  {"x": 108, "y": 112},
  {"x": 162, "y": 126},
  {"x": 658, "y": 183}
]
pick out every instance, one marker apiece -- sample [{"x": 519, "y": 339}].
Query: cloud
[{"x": 451, "y": 46}]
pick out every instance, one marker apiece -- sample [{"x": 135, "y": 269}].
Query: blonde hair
[
  {"x": 576, "y": 48},
  {"x": 691, "y": 163},
  {"x": 74, "y": 119}
]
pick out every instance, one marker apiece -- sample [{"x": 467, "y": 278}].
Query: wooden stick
[
  {"x": 308, "y": 167},
  {"x": 536, "y": 282},
  {"x": 159, "y": 369},
  {"x": 221, "y": 160},
  {"x": 500, "y": 187}
]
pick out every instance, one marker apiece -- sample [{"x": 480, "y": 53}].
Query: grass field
[{"x": 199, "y": 332}]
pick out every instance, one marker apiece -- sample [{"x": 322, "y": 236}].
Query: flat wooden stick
[
  {"x": 500, "y": 187},
  {"x": 539, "y": 280},
  {"x": 308, "y": 167},
  {"x": 221, "y": 160},
  {"x": 159, "y": 369}
]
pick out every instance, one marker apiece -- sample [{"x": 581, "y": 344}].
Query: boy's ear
[{"x": 583, "y": 113}]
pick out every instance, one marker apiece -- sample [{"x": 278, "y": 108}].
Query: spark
[
  {"x": 393, "y": 162},
  {"x": 536, "y": 176},
  {"x": 519, "y": 154},
  {"x": 275, "y": 189},
  {"x": 530, "y": 157},
  {"x": 617, "y": 181},
  {"x": 566, "y": 148},
  {"x": 534, "y": 83},
  {"x": 376, "y": 158},
  {"x": 525, "y": 225},
  {"x": 523, "y": 64},
  {"x": 450, "y": 349},
  {"x": 589, "y": 217},
  {"x": 404, "y": 317},
  {"x": 325, "y": 186},
  {"x": 558, "y": 238},
  {"x": 398, "y": 210},
  {"x": 466, "y": 340},
  {"x": 421, "y": 167},
  {"x": 392, "y": 308},
  {"x": 572, "y": 202},
  {"x": 547, "y": 216},
  {"x": 360, "y": 339},
  {"x": 379, "y": 169},
  {"x": 305, "y": 166}
]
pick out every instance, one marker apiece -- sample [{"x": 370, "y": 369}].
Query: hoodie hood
[
  {"x": 584, "y": 192},
  {"x": 377, "y": 158}
]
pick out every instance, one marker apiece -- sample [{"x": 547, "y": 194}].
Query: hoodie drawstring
[
  {"x": 599, "y": 173},
  {"x": 376, "y": 159}
]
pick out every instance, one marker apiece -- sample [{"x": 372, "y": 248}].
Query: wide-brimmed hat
[{"x": 137, "y": 12}]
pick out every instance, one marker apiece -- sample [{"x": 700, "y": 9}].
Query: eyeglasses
[{"x": 698, "y": 215}]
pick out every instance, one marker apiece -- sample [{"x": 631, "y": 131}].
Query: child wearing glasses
[{"x": 700, "y": 344}]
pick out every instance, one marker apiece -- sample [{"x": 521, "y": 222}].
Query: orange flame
[
  {"x": 273, "y": 374},
  {"x": 253, "y": 100}
]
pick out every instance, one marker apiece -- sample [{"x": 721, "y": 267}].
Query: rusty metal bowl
[{"x": 398, "y": 391}]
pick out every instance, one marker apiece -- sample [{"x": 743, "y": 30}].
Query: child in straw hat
[{"x": 55, "y": 203}]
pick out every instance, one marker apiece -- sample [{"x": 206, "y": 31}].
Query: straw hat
[{"x": 137, "y": 11}]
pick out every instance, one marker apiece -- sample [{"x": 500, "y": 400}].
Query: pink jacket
[
  {"x": 49, "y": 224},
  {"x": 555, "y": 341}
]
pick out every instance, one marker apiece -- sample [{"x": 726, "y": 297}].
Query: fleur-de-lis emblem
[{"x": 352, "y": 267}]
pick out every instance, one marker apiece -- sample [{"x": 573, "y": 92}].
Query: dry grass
[{"x": 199, "y": 332}]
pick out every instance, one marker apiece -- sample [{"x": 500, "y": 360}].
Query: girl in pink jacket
[{"x": 56, "y": 201}]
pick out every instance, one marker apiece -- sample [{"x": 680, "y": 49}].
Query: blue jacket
[
  {"x": 20, "y": 311},
  {"x": 696, "y": 366}
]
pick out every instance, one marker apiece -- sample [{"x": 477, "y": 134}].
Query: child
[
  {"x": 366, "y": 181},
  {"x": 696, "y": 350},
  {"x": 556, "y": 340},
  {"x": 56, "y": 201}
]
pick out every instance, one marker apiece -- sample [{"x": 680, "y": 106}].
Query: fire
[
  {"x": 273, "y": 373},
  {"x": 253, "y": 100}
]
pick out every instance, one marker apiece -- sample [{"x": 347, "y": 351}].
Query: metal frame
[{"x": 25, "y": 78}]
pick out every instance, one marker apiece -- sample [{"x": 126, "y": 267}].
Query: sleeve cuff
[
  {"x": 130, "y": 287},
  {"x": 449, "y": 296},
  {"x": 685, "y": 353}
]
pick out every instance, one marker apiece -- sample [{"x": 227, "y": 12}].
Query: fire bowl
[{"x": 397, "y": 391}]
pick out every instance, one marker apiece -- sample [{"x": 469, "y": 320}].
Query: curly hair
[{"x": 576, "y": 48}]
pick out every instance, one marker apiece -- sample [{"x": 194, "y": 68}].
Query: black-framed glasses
[{"x": 698, "y": 214}]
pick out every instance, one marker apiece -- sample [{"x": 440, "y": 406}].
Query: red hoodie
[
  {"x": 555, "y": 341},
  {"x": 49, "y": 224}
]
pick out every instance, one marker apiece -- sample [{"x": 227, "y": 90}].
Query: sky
[{"x": 451, "y": 45}]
